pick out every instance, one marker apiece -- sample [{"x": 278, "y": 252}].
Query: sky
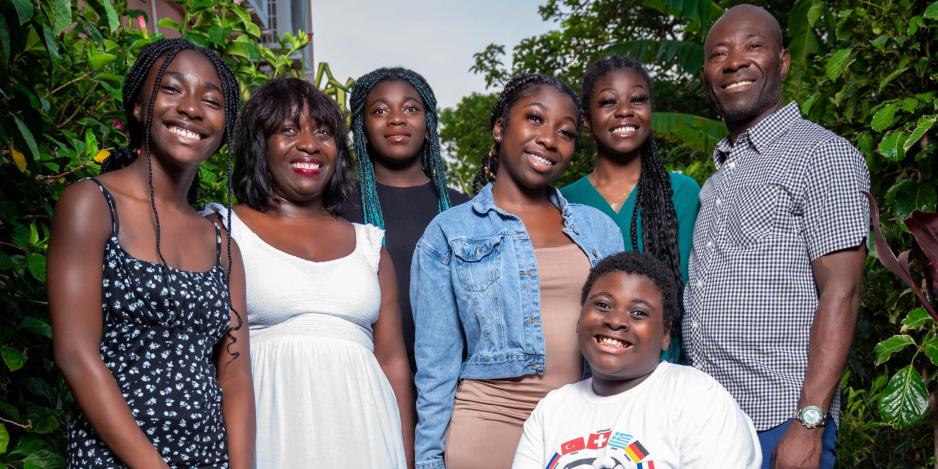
[{"x": 435, "y": 38}]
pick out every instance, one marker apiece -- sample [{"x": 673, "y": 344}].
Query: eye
[
  {"x": 171, "y": 89},
  {"x": 640, "y": 99},
  {"x": 568, "y": 134},
  {"x": 602, "y": 305},
  {"x": 605, "y": 102},
  {"x": 288, "y": 129},
  {"x": 213, "y": 102},
  {"x": 380, "y": 111},
  {"x": 535, "y": 117},
  {"x": 717, "y": 54},
  {"x": 755, "y": 46},
  {"x": 639, "y": 313},
  {"x": 411, "y": 108},
  {"x": 324, "y": 132}
]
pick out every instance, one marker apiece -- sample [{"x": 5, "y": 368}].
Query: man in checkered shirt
[{"x": 778, "y": 251}]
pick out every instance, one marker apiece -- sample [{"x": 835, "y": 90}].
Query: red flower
[{"x": 117, "y": 124}]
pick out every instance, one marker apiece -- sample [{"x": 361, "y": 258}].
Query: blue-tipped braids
[{"x": 430, "y": 160}]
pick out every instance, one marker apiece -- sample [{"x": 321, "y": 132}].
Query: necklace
[{"x": 614, "y": 203}]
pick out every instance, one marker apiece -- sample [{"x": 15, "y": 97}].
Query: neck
[
  {"x": 170, "y": 184},
  {"x": 620, "y": 172},
  {"x": 515, "y": 199},
  {"x": 284, "y": 208},
  {"x": 405, "y": 176},
  {"x": 737, "y": 127}
]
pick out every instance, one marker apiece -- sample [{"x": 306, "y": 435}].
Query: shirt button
[
  {"x": 694, "y": 324},
  {"x": 731, "y": 164},
  {"x": 699, "y": 283},
  {"x": 718, "y": 202},
  {"x": 710, "y": 244}
]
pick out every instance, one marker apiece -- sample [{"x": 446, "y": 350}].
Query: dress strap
[
  {"x": 217, "y": 243},
  {"x": 115, "y": 225}
]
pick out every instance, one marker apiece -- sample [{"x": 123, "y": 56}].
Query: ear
[
  {"x": 426, "y": 135},
  {"x": 498, "y": 130},
  {"x": 785, "y": 62},
  {"x": 138, "y": 110},
  {"x": 666, "y": 338},
  {"x": 586, "y": 122}
]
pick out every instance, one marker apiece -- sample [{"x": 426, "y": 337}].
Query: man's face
[{"x": 745, "y": 65}]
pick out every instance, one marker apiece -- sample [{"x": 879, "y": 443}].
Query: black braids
[
  {"x": 654, "y": 191},
  {"x": 514, "y": 90},
  {"x": 431, "y": 160},
  {"x": 638, "y": 264}
]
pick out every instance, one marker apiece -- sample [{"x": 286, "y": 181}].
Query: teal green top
[{"x": 686, "y": 204}]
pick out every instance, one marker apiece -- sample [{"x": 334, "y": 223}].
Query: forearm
[
  {"x": 829, "y": 345},
  {"x": 104, "y": 406},
  {"x": 238, "y": 408}
]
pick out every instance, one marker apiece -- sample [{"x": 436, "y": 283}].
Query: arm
[
  {"x": 530, "y": 452},
  {"x": 838, "y": 277},
  {"x": 686, "y": 206},
  {"x": 390, "y": 352},
  {"x": 438, "y": 348},
  {"x": 234, "y": 374},
  {"x": 81, "y": 227}
]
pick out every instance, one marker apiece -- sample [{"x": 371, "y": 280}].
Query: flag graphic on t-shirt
[
  {"x": 636, "y": 452},
  {"x": 646, "y": 465}
]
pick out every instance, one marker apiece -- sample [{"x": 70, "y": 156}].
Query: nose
[
  {"x": 735, "y": 60},
  {"x": 307, "y": 142},
  {"x": 547, "y": 138},
  {"x": 190, "y": 106},
  {"x": 617, "y": 320},
  {"x": 625, "y": 109},
  {"x": 396, "y": 118}
]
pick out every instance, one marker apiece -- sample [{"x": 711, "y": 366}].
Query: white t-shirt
[{"x": 678, "y": 417}]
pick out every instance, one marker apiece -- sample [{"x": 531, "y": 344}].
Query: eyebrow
[
  {"x": 406, "y": 98},
  {"x": 542, "y": 106},
  {"x": 180, "y": 76}
]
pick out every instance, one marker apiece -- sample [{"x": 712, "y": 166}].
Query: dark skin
[
  {"x": 396, "y": 130},
  {"x": 621, "y": 331},
  {"x": 535, "y": 146},
  {"x": 297, "y": 209},
  {"x": 744, "y": 47},
  {"x": 189, "y": 97},
  {"x": 619, "y": 102}
]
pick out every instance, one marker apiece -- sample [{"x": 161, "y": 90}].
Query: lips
[
  {"x": 306, "y": 167},
  {"x": 737, "y": 84},
  {"x": 625, "y": 130},
  {"x": 539, "y": 161},
  {"x": 612, "y": 344},
  {"x": 185, "y": 131},
  {"x": 399, "y": 137}
]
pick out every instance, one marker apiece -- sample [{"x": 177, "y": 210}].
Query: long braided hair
[
  {"x": 431, "y": 161},
  {"x": 139, "y": 135},
  {"x": 654, "y": 192},
  {"x": 516, "y": 88}
]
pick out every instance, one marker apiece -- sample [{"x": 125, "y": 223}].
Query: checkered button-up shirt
[{"x": 784, "y": 195}]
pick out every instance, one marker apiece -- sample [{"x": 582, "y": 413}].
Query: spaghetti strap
[
  {"x": 217, "y": 243},
  {"x": 115, "y": 225}
]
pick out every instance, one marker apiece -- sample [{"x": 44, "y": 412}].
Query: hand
[{"x": 799, "y": 448}]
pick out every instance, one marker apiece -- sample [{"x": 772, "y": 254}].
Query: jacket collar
[{"x": 484, "y": 202}]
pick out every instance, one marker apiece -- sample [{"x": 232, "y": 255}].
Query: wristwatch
[{"x": 811, "y": 416}]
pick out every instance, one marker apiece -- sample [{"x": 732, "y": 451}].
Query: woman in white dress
[{"x": 331, "y": 375}]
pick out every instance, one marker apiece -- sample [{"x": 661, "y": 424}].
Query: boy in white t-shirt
[{"x": 636, "y": 411}]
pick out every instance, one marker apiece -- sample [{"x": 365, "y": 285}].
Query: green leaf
[
  {"x": 925, "y": 123},
  {"x": 91, "y": 143},
  {"x": 699, "y": 13},
  {"x": 63, "y": 15},
  {"x": 916, "y": 319},
  {"x": 698, "y": 133},
  {"x": 931, "y": 349},
  {"x": 886, "y": 348},
  {"x": 891, "y": 145},
  {"x": 13, "y": 358},
  {"x": 36, "y": 326},
  {"x": 253, "y": 30},
  {"x": 931, "y": 12},
  {"x": 27, "y": 137},
  {"x": 907, "y": 195},
  {"x": 905, "y": 399},
  {"x": 4, "y": 438},
  {"x": 98, "y": 60},
  {"x": 884, "y": 117},
  {"x": 688, "y": 55},
  {"x": 51, "y": 46},
  {"x": 166, "y": 22},
  {"x": 903, "y": 66},
  {"x": 838, "y": 63},
  {"x": 4, "y": 40},
  {"x": 43, "y": 459},
  {"x": 24, "y": 10},
  {"x": 909, "y": 104},
  {"x": 113, "y": 21},
  {"x": 37, "y": 265},
  {"x": 914, "y": 23},
  {"x": 243, "y": 15}
]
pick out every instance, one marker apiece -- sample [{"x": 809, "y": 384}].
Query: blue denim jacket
[{"x": 475, "y": 294}]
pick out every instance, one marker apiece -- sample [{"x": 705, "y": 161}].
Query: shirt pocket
[
  {"x": 758, "y": 213},
  {"x": 478, "y": 262}
]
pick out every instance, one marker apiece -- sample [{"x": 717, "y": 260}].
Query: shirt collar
[
  {"x": 761, "y": 135},
  {"x": 484, "y": 201}
]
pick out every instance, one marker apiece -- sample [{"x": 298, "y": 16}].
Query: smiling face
[
  {"x": 745, "y": 66},
  {"x": 395, "y": 124},
  {"x": 620, "y": 113},
  {"x": 537, "y": 140},
  {"x": 622, "y": 331},
  {"x": 188, "y": 114},
  {"x": 301, "y": 157}
]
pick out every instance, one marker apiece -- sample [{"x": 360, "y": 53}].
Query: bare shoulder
[{"x": 82, "y": 211}]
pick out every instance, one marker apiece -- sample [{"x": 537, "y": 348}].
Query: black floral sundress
[{"x": 159, "y": 340}]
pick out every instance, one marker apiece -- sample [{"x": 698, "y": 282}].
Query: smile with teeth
[
  {"x": 625, "y": 129},
  {"x": 738, "y": 84},
  {"x": 609, "y": 341},
  {"x": 305, "y": 165},
  {"x": 539, "y": 160},
  {"x": 185, "y": 133}
]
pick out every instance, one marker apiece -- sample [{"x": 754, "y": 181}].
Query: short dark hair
[
  {"x": 280, "y": 99},
  {"x": 638, "y": 264}
]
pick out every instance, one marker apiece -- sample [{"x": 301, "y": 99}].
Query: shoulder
[
  {"x": 696, "y": 387},
  {"x": 682, "y": 183},
  {"x": 565, "y": 396},
  {"x": 598, "y": 223},
  {"x": 574, "y": 187},
  {"x": 84, "y": 205}
]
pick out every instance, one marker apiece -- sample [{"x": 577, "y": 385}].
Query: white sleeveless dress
[{"x": 322, "y": 399}]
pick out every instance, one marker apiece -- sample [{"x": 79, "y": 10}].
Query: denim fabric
[
  {"x": 475, "y": 294},
  {"x": 770, "y": 438}
]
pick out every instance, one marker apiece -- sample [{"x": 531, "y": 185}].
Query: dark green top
[{"x": 686, "y": 204}]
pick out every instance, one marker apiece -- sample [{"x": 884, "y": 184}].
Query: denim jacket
[{"x": 475, "y": 294}]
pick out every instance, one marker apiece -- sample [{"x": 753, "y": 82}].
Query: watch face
[{"x": 811, "y": 416}]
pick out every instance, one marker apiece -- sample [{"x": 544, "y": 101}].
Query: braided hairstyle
[
  {"x": 139, "y": 133},
  {"x": 518, "y": 87},
  {"x": 638, "y": 264},
  {"x": 654, "y": 192},
  {"x": 431, "y": 161}
]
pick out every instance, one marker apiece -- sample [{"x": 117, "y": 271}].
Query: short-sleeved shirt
[
  {"x": 684, "y": 197},
  {"x": 787, "y": 193}
]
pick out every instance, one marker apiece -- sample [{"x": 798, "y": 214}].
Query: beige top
[{"x": 563, "y": 271}]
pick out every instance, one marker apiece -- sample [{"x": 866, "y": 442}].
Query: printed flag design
[
  {"x": 636, "y": 452},
  {"x": 646, "y": 465},
  {"x": 553, "y": 461},
  {"x": 575, "y": 444},
  {"x": 619, "y": 440}
]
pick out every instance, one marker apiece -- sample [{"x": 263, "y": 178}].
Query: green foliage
[{"x": 63, "y": 66}]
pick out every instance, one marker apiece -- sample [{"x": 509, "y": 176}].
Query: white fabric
[
  {"x": 677, "y": 418},
  {"x": 322, "y": 399}
]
